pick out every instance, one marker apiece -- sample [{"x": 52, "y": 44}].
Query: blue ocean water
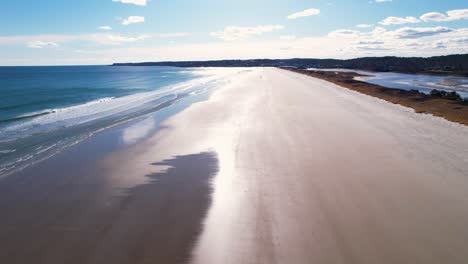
[
  {"x": 35, "y": 90},
  {"x": 46, "y": 109}
]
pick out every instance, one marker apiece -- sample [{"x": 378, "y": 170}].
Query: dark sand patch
[{"x": 157, "y": 222}]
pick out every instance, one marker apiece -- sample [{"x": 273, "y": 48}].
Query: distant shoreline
[
  {"x": 452, "y": 110},
  {"x": 456, "y": 65}
]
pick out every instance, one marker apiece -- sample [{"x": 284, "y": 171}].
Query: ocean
[{"x": 44, "y": 110}]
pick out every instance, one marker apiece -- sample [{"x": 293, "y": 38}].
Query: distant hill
[{"x": 442, "y": 64}]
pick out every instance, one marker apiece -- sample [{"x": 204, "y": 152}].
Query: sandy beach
[{"x": 275, "y": 167}]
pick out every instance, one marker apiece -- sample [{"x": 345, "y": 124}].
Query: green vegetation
[{"x": 446, "y": 95}]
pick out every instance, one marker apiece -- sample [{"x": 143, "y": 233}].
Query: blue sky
[{"x": 48, "y": 32}]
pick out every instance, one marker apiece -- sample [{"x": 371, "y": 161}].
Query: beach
[
  {"x": 272, "y": 167},
  {"x": 451, "y": 106}
]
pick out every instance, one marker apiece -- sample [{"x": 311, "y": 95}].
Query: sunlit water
[{"x": 46, "y": 109}]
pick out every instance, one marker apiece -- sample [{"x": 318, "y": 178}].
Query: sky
[{"x": 90, "y": 32}]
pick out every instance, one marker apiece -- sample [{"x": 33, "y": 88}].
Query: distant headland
[{"x": 451, "y": 64}]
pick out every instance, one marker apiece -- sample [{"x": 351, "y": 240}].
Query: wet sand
[
  {"x": 72, "y": 209},
  {"x": 156, "y": 222},
  {"x": 276, "y": 167},
  {"x": 315, "y": 173}
]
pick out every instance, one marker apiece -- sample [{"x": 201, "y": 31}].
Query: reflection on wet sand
[{"x": 157, "y": 222}]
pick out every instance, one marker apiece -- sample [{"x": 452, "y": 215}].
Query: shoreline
[
  {"x": 26, "y": 142},
  {"x": 74, "y": 208},
  {"x": 455, "y": 111},
  {"x": 273, "y": 167},
  {"x": 455, "y": 63}
]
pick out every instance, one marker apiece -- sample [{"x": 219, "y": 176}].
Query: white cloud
[
  {"x": 37, "y": 40},
  {"x": 404, "y": 41},
  {"x": 452, "y": 43},
  {"x": 458, "y": 14},
  {"x": 378, "y": 31},
  {"x": 239, "y": 33},
  {"x": 364, "y": 25},
  {"x": 344, "y": 33},
  {"x": 381, "y": 34},
  {"x": 305, "y": 13},
  {"x": 174, "y": 35},
  {"x": 288, "y": 37},
  {"x": 451, "y": 15},
  {"x": 399, "y": 20},
  {"x": 133, "y": 19},
  {"x": 105, "y": 28},
  {"x": 369, "y": 42},
  {"x": 433, "y": 16},
  {"x": 135, "y": 2},
  {"x": 408, "y": 32},
  {"x": 371, "y": 47},
  {"x": 115, "y": 39},
  {"x": 382, "y": 1},
  {"x": 37, "y": 44}
]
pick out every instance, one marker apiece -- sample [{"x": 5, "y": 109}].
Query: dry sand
[
  {"x": 314, "y": 173},
  {"x": 307, "y": 172}
]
